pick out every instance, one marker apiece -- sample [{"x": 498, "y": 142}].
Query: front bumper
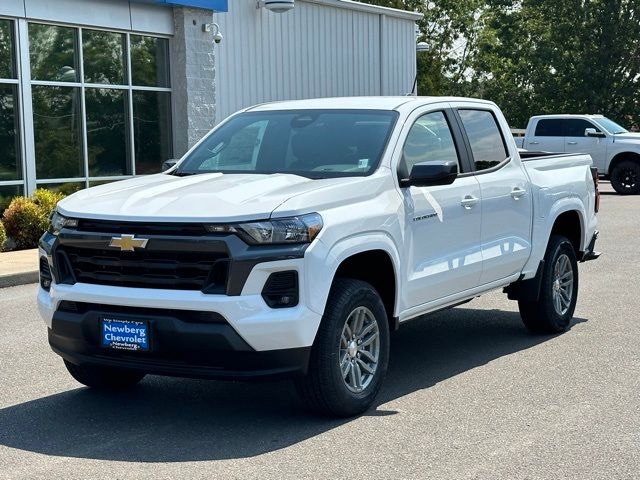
[
  {"x": 202, "y": 346},
  {"x": 253, "y": 340}
]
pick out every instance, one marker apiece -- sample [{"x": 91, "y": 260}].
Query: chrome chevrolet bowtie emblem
[{"x": 127, "y": 243}]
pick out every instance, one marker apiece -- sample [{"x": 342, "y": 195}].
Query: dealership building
[{"x": 93, "y": 91}]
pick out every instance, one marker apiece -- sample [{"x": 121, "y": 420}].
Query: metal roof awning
[{"x": 215, "y": 5}]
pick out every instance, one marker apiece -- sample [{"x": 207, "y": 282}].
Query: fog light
[
  {"x": 45, "y": 274},
  {"x": 281, "y": 289}
]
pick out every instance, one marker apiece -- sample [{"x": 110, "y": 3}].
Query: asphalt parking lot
[{"x": 469, "y": 395}]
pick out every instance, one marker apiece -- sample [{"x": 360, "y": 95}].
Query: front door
[
  {"x": 442, "y": 223},
  {"x": 577, "y": 142}
]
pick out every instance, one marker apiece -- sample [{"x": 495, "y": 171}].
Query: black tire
[
  {"x": 625, "y": 177},
  {"x": 542, "y": 316},
  {"x": 324, "y": 388},
  {"x": 103, "y": 378}
]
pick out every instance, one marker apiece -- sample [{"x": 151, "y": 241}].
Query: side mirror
[
  {"x": 430, "y": 174},
  {"x": 169, "y": 164},
  {"x": 592, "y": 132}
]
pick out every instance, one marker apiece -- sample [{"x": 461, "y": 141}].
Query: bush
[
  {"x": 46, "y": 200},
  {"x": 26, "y": 219},
  {"x": 3, "y": 236}
]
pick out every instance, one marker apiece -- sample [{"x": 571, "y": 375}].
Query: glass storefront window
[
  {"x": 149, "y": 61},
  {"x": 152, "y": 130},
  {"x": 10, "y": 167},
  {"x": 10, "y": 148},
  {"x": 107, "y": 132},
  {"x": 57, "y": 131},
  {"x": 103, "y": 57},
  {"x": 97, "y": 183},
  {"x": 53, "y": 53},
  {"x": 7, "y": 62},
  {"x": 67, "y": 188},
  {"x": 93, "y": 122}
]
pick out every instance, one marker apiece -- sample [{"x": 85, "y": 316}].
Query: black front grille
[{"x": 206, "y": 271}]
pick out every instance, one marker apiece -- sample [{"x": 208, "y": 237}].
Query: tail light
[{"x": 594, "y": 174}]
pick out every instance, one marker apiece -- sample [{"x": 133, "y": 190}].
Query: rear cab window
[
  {"x": 487, "y": 144},
  {"x": 551, "y": 127}
]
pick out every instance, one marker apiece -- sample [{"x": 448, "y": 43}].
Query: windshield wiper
[{"x": 183, "y": 174}]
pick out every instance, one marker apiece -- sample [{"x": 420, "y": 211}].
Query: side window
[
  {"x": 487, "y": 144},
  {"x": 576, "y": 127},
  {"x": 240, "y": 152},
  {"x": 549, "y": 128},
  {"x": 429, "y": 140}
]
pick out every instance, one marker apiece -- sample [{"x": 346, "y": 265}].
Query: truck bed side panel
[{"x": 559, "y": 183}]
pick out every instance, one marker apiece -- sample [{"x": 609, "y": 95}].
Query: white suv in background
[{"x": 615, "y": 151}]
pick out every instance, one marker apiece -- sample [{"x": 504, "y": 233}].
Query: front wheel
[
  {"x": 625, "y": 177},
  {"x": 553, "y": 310},
  {"x": 350, "y": 356}
]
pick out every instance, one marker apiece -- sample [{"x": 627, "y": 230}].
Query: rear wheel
[
  {"x": 103, "y": 377},
  {"x": 625, "y": 177},
  {"x": 553, "y": 310},
  {"x": 351, "y": 353}
]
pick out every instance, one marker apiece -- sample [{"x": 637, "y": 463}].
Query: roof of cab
[
  {"x": 358, "y": 103},
  {"x": 567, "y": 115}
]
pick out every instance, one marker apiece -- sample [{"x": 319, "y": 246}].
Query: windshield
[
  {"x": 311, "y": 143},
  {"x": 611, "y": 126}
]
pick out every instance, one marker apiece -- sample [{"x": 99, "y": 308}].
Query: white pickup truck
[
  {"x": 296, "y": 236},
  {"x": 614, "y": 150}
]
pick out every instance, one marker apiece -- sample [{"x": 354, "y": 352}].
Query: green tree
[{"x": 574, "y": 56}]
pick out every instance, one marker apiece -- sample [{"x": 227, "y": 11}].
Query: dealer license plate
[{"x": 122, "y": 334}]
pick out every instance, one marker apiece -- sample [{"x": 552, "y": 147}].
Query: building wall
[
  {"x": 320, "y": 49},
  {"x": 193, "y": 78}
]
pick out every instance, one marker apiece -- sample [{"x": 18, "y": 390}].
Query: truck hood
[
  {"x": 210, "y": 197},
  {"x": 627, "y": 137}
]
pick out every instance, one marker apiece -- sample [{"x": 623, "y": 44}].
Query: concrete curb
[{"x": 15, "y": 279}]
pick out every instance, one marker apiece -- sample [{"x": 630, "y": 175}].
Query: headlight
[
  {"x": 58, "y": 222},
  {"x": 302, "y": 229}
]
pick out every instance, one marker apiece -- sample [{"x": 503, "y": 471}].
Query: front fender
[{"x": 328, "y": 259}]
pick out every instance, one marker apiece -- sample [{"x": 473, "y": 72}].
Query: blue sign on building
[{"x": 216, "y": 5}]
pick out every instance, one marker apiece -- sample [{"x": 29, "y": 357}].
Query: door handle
[
  {"x": 469, "y": 201},
  {"x": 534, "y": 143},
  {"x": 517, "y": 193},
  {"x": 572, "y": 143}
]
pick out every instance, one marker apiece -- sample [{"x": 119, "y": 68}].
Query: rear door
[
  {"x": 548, "y": 136},
  {"x": 505, "y": 192},
  {"x": 441, "y": 223},
  {"x": 577, "y": 142}
]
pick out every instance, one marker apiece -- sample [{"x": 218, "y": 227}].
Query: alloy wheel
[
  {"x": 562, "y": 284},
  {"x": 359, "y": 349}
]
